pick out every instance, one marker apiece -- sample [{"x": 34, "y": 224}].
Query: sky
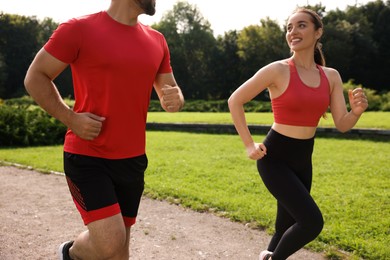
[{"x": 223, "y": 15}]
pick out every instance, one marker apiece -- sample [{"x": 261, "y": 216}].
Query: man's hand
[
  {"x": 172, "y": 98},
  {"x": 86, "y": 125}
]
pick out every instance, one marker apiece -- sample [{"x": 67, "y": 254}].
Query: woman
[{"x": 301, "y": 89}]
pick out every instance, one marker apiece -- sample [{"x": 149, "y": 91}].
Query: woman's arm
[
  {"x": 245, "y": 93},
  {"x": 343, "y": 119}
]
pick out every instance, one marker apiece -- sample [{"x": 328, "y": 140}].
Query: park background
[{"x": 351, "y": 179}]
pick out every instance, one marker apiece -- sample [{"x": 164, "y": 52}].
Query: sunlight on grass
[
  {"x": 46, "y": 159},
  {"x": 378, "y": 120},
  {"x": 211, "y": 173}
]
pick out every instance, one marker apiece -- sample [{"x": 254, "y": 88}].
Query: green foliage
[
  {"x": 378, "y": 120},
  {"x": 386, "y": 102},
  {"x": 192, "y": 47},
  {"x": 24, "y": 125},
  {"x": 376, "y": 102},
  {"x": 43, "y": 158},
  {"x": 356, "y": 43},
  {"x": 213, "y": 106},
  {"x": 20, "y": 39},
  {"x": 3, "y": 75},
  {"x": 259, "y": 45},
  {"x": 227, "y": 66},
  {"x": 18, "y": 45},
  {"x": 24, "y": 101}
]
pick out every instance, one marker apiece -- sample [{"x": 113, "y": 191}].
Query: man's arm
[
  {"x": 39, "y": 84},
  {"x": 170, "y": 95}
]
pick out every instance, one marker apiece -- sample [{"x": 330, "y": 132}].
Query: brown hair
[{"x": 317, "y": 21}]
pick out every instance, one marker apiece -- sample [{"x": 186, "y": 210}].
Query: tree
[
  {"x": 46, "y": 28},
  {"x": 261, "y": 44},
  {"x": 356, "y": 42},
  {"x": 3, "y": 76},
  {"x": 378, "y": 15},
  {"x": 363, "y": 45},
  {"x": 227, "y": 66},
  {"x": 18, "y": 45},
  {"x": 192, "y": 46},
  {"x": 337, "y": 42}
]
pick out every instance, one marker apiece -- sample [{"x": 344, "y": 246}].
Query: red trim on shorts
[
  {"x": 129, "y": 221},
  {"x": 98, "y": 214}
]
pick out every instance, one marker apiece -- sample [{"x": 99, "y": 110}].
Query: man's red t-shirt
[{"x": 113, "y": 67}]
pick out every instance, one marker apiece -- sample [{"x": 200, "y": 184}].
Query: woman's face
[{"x": 301, "y": 32}]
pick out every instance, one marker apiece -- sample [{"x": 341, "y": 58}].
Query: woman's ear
[{"x": 319, "y": 33}]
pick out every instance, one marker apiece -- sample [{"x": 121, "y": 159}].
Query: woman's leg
[
  {"x": 295, "y": 205},
  {"x": 286, "y": 171},
  {"x": 283, "y": 222}
]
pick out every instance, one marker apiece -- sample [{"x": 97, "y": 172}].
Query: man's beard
[{"x": 149, "y": 6}]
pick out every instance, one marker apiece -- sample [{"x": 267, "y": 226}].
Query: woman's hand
[
  {"x": 358, "y": 101},
  {"x": 256, "y": 151}
]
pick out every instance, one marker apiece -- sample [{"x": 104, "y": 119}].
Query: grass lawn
[
  {"x": 380, "y": 120},
  {"x": 211, "y": 173}
]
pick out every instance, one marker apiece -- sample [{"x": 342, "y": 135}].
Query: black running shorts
[{"x": 102, "y": 188}]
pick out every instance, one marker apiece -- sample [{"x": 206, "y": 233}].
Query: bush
[
  {"x": 22, "y": 101},
  {"x": 12, "y": 127},
  {"x": 24, "y": 125},
  {"x": 213, "y": 106},
  {"x": 376, "y": 102},
  {"x": 386, "y": 102}
]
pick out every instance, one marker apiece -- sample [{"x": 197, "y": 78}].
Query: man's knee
[
  {"x": 109, "y": 238},
  {"x": 115, "y": 248}
]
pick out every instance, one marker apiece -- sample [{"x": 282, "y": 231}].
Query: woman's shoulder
[
  {"x": 275, "y": 74},
  {"x": 279, "y": 65},
  {"x": 331, "y": 73},
  {"x": 333, "y": 77},
  {"x": 329, "y": 70}
]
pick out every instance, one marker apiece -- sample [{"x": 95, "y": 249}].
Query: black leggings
[{"x": 286, "y": 171}]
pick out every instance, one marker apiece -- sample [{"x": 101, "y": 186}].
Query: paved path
[{"x": 37, "y": 214}]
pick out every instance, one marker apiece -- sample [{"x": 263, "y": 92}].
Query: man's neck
[{"x": 124, "y": 12}]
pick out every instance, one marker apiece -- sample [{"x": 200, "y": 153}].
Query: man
[{"x": 115, "y": 62}]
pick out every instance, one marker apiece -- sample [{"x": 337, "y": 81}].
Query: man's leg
[{"x": 105, "y": 239}]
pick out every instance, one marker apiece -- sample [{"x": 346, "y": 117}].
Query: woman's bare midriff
[{"x": 297, "y": 132}]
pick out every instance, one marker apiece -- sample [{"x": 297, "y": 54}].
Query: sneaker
[
  {"x": 265, "y": 255},
  {"x": 63, "y": 250}
]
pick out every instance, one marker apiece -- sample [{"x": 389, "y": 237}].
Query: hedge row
[
  {"x": 24, "y": 125},
  {"x": 213, "y": 106}
]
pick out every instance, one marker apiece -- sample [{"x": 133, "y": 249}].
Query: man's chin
[{"x": 150, "y": 12}]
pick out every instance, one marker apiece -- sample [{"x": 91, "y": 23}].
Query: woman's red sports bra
[{"x": 299, "y": 104}]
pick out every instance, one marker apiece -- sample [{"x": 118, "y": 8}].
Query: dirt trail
[{"x": 37, "y": 214}]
